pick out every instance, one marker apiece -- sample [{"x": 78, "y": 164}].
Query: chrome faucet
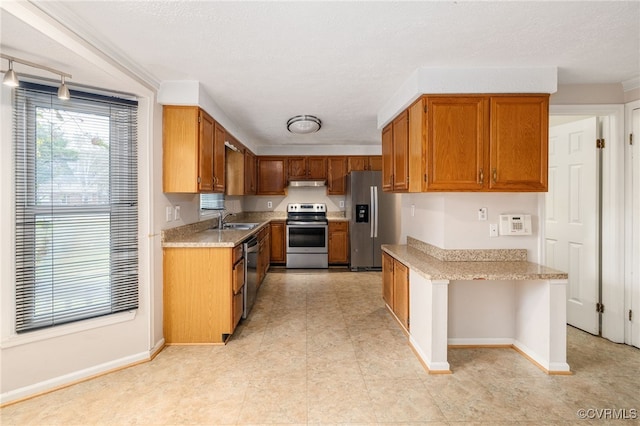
[{"x": 221, "y": 217}]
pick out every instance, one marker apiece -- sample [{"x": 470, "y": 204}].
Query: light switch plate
[
  {"x": 168, "y": 213},
  {"x": 176, "y": 213},
  {"x": 493, "y": 230}
]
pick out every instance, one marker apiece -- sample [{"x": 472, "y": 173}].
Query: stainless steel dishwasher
[{"x": 251, "y": 274}]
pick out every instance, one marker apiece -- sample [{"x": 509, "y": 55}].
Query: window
[
  {"x": 76, "y": 206},
  {"x": 211, "y": 203}
]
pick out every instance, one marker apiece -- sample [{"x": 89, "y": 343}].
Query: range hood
[{"x": 307, "y": 183}]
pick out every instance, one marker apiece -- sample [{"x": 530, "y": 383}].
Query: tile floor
[{"x": 320, "y": 348}]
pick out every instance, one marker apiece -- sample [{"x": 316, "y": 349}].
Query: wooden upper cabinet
[
  {"x": 363, "y": 162},
  {"x": 375, "y": 162},
  {"x": 249, "y": 173},
  {"x": 188, "y": 149},
  {"x": 306, "y": 168},
  {"x": 206, "y": 178},
  {"x": 387, "y": 158},
  {"x": 218, "y": 159},
  {"x": 519, "y": 143},
  {"x": 456, "y": 131},
  {"x": 336, "y": 175},
  {"x": 357, "y": 163},
  {"x": 400, "y": 177},
  {"x": 271, "y": 175},
  {"x": 468, "y": 143}
]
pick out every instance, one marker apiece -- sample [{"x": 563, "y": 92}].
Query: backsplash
[{"x": 253, "y": 203}]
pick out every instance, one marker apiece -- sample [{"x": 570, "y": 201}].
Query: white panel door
[
  {"x": 635, "y": 228},
  {"x": 571, "y": 236}
]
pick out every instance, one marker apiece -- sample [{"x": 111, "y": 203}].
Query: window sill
[{"x": 36, "y": 336}]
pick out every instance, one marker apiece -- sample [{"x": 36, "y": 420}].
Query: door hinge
[
  {"x": 425, "y": 109},
  {"x": 600, "y": 308},
  {"x": 630, "y": 314},
  {"x": 199, "y": 119},
  {"x": 600, "y": 143},
  {"x": 425, "y": 177}
]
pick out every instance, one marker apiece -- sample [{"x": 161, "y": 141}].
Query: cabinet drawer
[
  {"x": 338, "y": 226},
  {"x": 237, "y": 253},
  {"x": 238, "y": 304},
  {"x": 238, "y": 276}
]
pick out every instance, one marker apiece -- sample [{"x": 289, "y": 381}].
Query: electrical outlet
[
  {"x": 269, "y": 205},
  {"x": 176, "y": 213},
  {"x": 168, "y": 213},
  {"x": 341, "y": 204},
  {"x": 493, "y": 230},
  {"x": 482, "y": 213}
]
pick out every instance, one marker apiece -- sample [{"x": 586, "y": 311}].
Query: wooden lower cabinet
[
  {"x": 264, "y": 253},
  {"x": 278, "y": 255},
  {"x": 395, "y": 288},
  {"x": 202, "y": 294},
  {"x": 339, "y": 243}
]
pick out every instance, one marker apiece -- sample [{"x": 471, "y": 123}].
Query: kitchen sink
[{"x": 244, "y": 226}]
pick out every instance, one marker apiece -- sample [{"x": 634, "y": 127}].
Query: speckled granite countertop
[
  {"x": 433, "y": 268},
  {"x": 201, "y": 234}
]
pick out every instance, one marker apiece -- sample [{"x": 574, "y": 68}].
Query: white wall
[
  {"x": 450, "y": 220},
  {"x": 258, "y": 203}
]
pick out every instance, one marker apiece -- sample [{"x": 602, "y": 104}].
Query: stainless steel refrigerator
[{"x": 374, "y": 219}]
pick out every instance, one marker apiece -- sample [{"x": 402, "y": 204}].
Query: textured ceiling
[{"x": 263, "y": 62}]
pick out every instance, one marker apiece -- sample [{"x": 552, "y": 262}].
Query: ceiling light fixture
[
  {"x": 304, "y": 124},
  {"x": 11, "y": 78}
]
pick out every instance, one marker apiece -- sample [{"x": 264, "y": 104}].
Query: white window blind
[{"x": 76, "y": 206}]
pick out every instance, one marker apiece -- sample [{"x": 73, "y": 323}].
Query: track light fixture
[
  {"x": 63, "y": 90},
  {"x": 11, "y": 78}
]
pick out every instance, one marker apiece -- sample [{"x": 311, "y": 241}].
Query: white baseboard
[{"x": 78, "y": 376}]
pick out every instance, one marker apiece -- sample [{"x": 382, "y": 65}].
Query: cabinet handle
[
  {"x": 481, "y": 177},
  {"x": 495, "y": 175}
]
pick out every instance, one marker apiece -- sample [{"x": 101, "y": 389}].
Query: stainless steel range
[{"x": 307, "y": 235}]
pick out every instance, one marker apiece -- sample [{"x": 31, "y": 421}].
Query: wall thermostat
[{"x": 515, "y": 224}]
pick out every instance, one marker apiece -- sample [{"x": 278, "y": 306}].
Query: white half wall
[{"x": 450, "y": 220}]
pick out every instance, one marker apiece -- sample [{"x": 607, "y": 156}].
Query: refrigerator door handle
[{"x": 375, "y": 211}]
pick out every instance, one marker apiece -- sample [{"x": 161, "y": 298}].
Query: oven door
[{"x": 307, "y": 238}]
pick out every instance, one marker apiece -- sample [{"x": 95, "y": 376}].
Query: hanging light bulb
[
  {"x": 10, "y": 78},
  {"x": 63, "y": 90}
]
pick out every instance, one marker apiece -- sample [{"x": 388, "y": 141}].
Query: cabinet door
[
  {"x": 317, "y": 167},
  {"x": 338, "y": 242},
  {"x": 400, "y": 177},
  {"x": 271, "y": 176},
  {"x": 375, "y": 163},
  {"x": 336, "y": 175},
  {"x": 218, "y": 159},
  {"x": 401, "y": 292},
  {"x": 519, "y": 143},
  {"x": 456, "y": 130},
  {"x": 180, "y": 148},
  {"x": 278, "y": 252},
  {"x": 357, "y": 163},
  {"x": 249, "y": 173},
  {"x": 238, "y": 277},
  {"x": 206, "y": 152},
  {"x": 387, "y": 158},
  {"x": 387, "y": 279},
  {"x": 296, "y": 168}
]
